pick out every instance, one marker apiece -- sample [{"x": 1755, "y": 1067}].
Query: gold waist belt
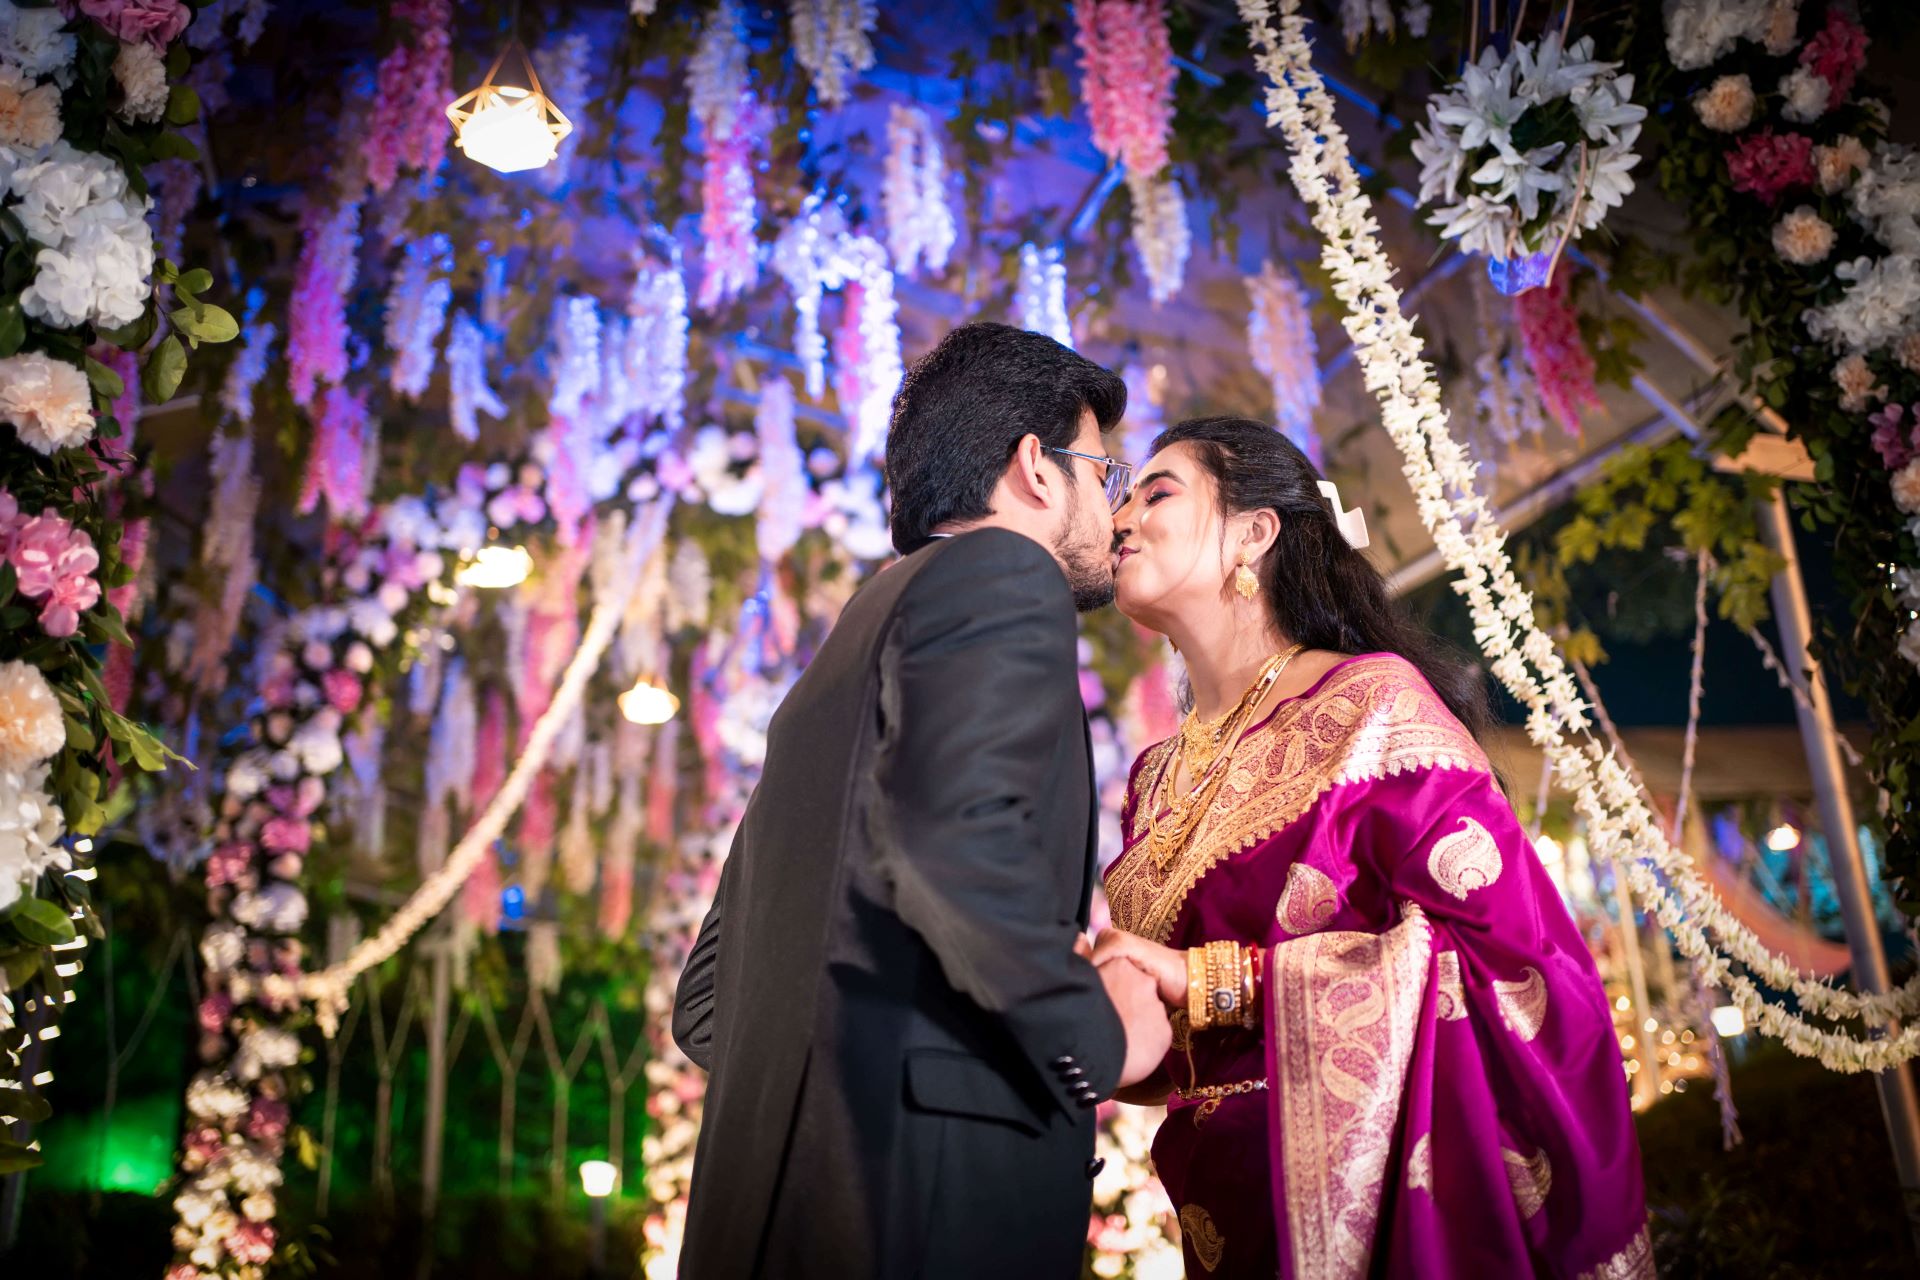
[{"x": 1215, "y": 1092}]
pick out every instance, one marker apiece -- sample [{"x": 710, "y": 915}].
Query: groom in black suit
[{"x": 906, "y": 1045}]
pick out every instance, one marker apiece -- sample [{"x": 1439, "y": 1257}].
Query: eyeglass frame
[{"x": 1117, "y": 470}]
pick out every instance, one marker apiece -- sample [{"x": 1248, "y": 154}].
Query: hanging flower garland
[
  {"x": 1562, "y": 367},
  {"x": 468, "y": 393},
  {"x": 832, "y": 39},
  {"x": 724, "y": 106},
  {"x": 1280, "y": 341},
  {"x": 1620, "y": 828},
  {"x": 1361, "y": 20},
  {"x": 564, "y": 74},
  {"x": 1127, "y": 79},
  {"x": 78, "y": 301},
  {"x": 867, "y": 365},
  {"x": 412, "y": 86},
  {"x": 417, "y": 303},
  {"x": 656, "y": 351},
  {"x": 317, "y": 330},
  {"x": 913, "y": 192},
  {"x": 1516, "y": 207},
  {"x": 1808, "y": 220},
  {"x": 1040, "y": 297}
]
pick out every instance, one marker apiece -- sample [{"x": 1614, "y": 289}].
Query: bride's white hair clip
[{"x": 1352, "y": 524}]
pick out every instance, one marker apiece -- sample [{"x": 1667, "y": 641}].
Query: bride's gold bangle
[{"x": 1199, "y": 1011}]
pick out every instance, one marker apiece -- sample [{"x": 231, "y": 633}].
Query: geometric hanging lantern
[{"x": 505, "y": 127}]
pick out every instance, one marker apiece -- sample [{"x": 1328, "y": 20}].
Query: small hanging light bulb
[
  {"x": 495, "y": 567},
  {"x": 649, "y": 702}
]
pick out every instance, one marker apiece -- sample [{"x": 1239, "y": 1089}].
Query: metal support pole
[
  {"x": 1898, "y": 1102},
  {"x": 436, "y": 1111}
]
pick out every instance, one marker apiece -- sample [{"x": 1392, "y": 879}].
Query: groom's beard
[{"x": 1087, "y": 559}]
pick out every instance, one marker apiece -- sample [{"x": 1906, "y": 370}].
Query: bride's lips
[{"x": 1120, "y": 557}]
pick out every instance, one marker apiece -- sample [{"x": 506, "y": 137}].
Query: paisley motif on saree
[
  {"x": 1371, "y": 717},
  {"x": 1345, "y": 1010}
]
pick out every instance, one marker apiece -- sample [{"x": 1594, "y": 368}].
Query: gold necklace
[{"x": 1184, "y": 812}]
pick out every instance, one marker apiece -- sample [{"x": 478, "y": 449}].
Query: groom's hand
[
  {"x": 1149, "y": 1033},
  {"x": 1167, "y": 967}
]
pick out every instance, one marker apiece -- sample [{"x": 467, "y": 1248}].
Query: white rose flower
[
  {"x": 222, "y": 947},
  {"x": 284, "y": 766},
  {"x": 374, "y": 621},
  {"x": 214, "y": 1097},
  {"x": 48, "y": 402},
  {"x": 142, "y": 73},
  {"x": 31, "y": 725},
  {"x": 1906, "y": 488},
  {"x": 247, "y": 776},
  {"x": 29, "y": 111},
  {"x": 359, "y": 657},
  {"x": 55, "y": 192},
  {"x": 32, "y": 40},
  {"x": 317, "y": 748},
  {"x": 1806, "y": 96},
  {"x": 30, "y": 829},
  {"x": 61, "y": 294}
]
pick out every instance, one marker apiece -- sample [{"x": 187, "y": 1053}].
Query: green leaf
[
  {"x": 15, "y": 1158},
  {"x": 183, "y": 105},
  {"x": 131, "y": 337},
  {"x": 9, "y": 580},
  {"x": 40, "y": 922},
  {"x": 205, "y": 322},
  {"x": 13, "y": 327},
  {"x": 198, "y": 280},
  {"x": 80, "y": 736},
  {"x": 19, "y": 966},
  {"x": 107, "y": 384},
  {"x": 21, "y": 1105},
  {"x": 174, "y": 146},
  {"x": 161, "y": 375}
]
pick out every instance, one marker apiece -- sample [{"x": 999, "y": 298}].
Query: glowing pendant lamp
[{"x": 507, "y": 128}]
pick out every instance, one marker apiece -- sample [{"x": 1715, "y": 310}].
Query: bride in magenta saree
[{"x": 1427, "y": 1082}]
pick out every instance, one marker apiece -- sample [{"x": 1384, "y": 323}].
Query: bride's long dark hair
[{"x": 1319, "y": 591}]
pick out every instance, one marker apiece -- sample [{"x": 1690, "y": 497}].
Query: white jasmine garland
[
  {"x": 141, "y": 71},
  {"x": 1620, "y": 826}
]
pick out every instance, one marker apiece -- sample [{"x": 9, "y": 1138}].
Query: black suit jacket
[{"x": 903, "y": 1048}]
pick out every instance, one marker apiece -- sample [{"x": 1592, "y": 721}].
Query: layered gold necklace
[{"x": 1205, "y": 750}]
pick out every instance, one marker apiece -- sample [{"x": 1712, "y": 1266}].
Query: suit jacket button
[
  {"x": 1064, "y": 1060},
  {"x": 1088, "y": 1101},
  {"x": 1094, "y": 1166},
  {"x": 1073, "y": 1073}
]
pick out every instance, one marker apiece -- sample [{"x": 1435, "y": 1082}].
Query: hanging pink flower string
[
  {"x": 1562, "y": 366},
  {"x": 414, "y": 84},
  {"x": 317, "y": 321}
]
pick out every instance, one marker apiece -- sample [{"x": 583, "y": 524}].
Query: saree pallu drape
[{"x": 1435, "y": 1088}]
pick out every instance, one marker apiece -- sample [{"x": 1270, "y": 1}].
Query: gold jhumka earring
[{"x": 1245, "y": 583}]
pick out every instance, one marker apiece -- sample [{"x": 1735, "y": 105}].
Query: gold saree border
[
  {"x": 1345, "y": 1008},
  {"x": 1635, "y": 1262},
  {"x": 1373, "y": 718}
]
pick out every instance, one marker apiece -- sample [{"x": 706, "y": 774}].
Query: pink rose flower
[
  {"x": 287, "y": 835},
  {"x": 287, "y": 866},
  {"x": 158, "y": 22},
  {"x": 72, "y": 596},
  {"x": 214, "y": 1011},
  {"x": 1767, "y": 164},
  {"x": 251, "y": 1242},
  {"x": 1890, "y": 441},
  {"x": 343, "y": 690},
  {"x": 267, "y": 1119},
  {"x": 228, "y": 863},
  {"x": 1836, "y": 54},
  {"x": 38, "y": 545}
]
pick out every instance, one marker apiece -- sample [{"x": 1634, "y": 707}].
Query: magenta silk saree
[{"x": 1435, "y": 1088}]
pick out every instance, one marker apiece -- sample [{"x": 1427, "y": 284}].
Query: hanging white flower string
[
  {"x": 1280, "y": 340},
  {"x": 1621, "y": 829},
  {"x": 328, "y": 989},
  {"x": 656, "y": 350},
  {"x": 417, "y": 304},
  {"x": 913, "y": 193},
  {"x": 831, "y": 40},
  {"x": 810, "y": 256},
  {"x": 1040, "y": 299},
  {"x": 1696, "y": 686}
]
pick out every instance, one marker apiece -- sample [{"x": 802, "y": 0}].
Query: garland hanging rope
[
  {"x": 329, "y": 989},
  {"x": 1621, "y": 828}
]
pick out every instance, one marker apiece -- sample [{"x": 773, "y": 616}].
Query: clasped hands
[{"x": 1143, "y": 980}]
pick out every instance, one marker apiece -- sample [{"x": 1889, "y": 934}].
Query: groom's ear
[{"x": 1027, "y": 475}]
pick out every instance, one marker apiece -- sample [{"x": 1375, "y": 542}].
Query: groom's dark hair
[{"x": 965, "y": 406}]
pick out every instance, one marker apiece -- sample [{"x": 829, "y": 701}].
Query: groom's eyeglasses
[{"x": 1119, "y": 475}]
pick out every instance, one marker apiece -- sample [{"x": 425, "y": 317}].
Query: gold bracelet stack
[{"x": 1221, "y": 986}]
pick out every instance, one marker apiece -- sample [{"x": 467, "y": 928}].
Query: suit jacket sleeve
[
  {"x": 693, "y": 999},
  {"x": 977, "y": 680}
]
